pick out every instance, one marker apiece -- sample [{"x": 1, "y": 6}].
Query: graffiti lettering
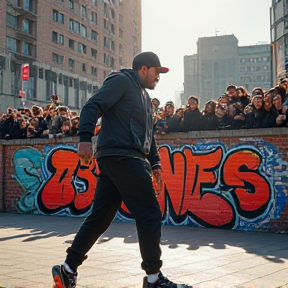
[{"x": 203, "y": 185}]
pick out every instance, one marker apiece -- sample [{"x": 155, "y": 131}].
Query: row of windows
[
  {"x": 107, "y": 59},
  {"x": 27, "y": 26},
  {"x": 75, "y": 25},
  {"x": 255, "y": 60},
  {"x": 21, "y": 47},
  {"x": 82, "y": 48},
  {"x": 253, "y": 68}
]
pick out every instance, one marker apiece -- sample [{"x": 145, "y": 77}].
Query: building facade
[
  {"x": 279, "y": 39},
  {"x": 220, "y": 61},
  {"x": 71, "y": 46},
  {"x": 254, "y": 64},
  {"x": 215, "y": 65}
]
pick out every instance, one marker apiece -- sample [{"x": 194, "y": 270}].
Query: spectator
[
  {"x": 223, "y": 100},
  {"x": 270, "y": 111},
  {"x": 210, "y": 120},
  {"x": 155, "y": 105},
  {"x": 236, "y": 115},
  {"x": 74, "y": 125},
  {"x": 172, "y": 121},
  {"x": 231, "y": 93},
  {"x": 254, "y": 119},
  {"x": 222, "y": 117},
  {"x": 278, "y": 97},
  {"x": 56, "y": 127},
  {"x": 192, "y": 119},
  {"x": 243, "y": 96},
  {"x": 257, "y": 91}
]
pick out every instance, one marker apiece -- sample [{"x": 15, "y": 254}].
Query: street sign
[{"x": 25, "y": 72}]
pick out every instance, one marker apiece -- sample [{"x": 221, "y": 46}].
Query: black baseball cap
[{"x": 148, "y": 59}]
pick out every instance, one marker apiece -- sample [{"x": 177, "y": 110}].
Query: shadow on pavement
[{"x": 272, "y": 247}]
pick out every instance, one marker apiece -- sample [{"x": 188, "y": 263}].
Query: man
[
  {"x": 231, "y": 91},
  {"x": 192, "y": 119},
  {"x": 126, "y": 153}
]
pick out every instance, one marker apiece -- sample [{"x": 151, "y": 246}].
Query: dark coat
[
  {"x": 192, "y": 121},
  {"x": 127, "y": 123}
]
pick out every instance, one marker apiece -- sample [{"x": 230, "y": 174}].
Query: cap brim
[{"x": 163, "y": 69}]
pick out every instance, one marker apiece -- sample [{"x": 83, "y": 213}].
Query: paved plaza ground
[{"x": 204, "y": 258}]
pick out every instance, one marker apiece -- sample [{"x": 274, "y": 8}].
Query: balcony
[
  {"x": 20, "y": 35},
  {"x": 22, "y": 12}
]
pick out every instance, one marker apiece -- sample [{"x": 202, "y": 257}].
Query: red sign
[
  {"x": 25, "y": 72},
  {"x": 21, "y": 94}
]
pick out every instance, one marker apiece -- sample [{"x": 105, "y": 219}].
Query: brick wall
[{"x": 225, "y": 179}]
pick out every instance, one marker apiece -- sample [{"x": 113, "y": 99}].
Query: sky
[{"x": 171, "y": 28}]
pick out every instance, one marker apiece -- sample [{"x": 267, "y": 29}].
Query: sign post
[{"x": 24, "y": 77}]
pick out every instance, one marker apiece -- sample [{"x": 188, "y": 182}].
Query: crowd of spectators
[
  {"x": 235, "y": 109},
  {"x": 53, "y": 121}
]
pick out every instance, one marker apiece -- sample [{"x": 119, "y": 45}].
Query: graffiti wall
[{"x": 206, "y": 183}]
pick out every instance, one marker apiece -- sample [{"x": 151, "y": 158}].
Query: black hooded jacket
[{"x": 127, "y": 123}]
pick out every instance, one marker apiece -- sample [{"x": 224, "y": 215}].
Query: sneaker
[
  {"x": 163, "y": 282},
  {"x": 62, "y": 278}
]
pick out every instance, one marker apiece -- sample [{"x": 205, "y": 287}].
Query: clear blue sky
[{"x": 171, "y": 28}]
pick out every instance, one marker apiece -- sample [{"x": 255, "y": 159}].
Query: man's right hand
[{"x": 85, "y": 153}]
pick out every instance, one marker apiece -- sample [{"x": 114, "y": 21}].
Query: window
[
  {"x": 71, "y": 82},
  {"x": 60, "y": 59},
  {"x": 27, "y": 5},
  {"x": 54, "y": 37},
  {"x": 94, "y": 17},
  {"x": 105, "y": 24},
  {"x": 82, "y": 48},
  {"x": 25, "y": 26},
  {"x": 106, "y": 42},
  {"x": 112, "y": 14},
  {"x": 71, "y": 4},
  {"x": 83, "y": 67},
  {"x": 11, "y": 44},
  {"x": 112, "y": 61},
  {"x": 112, "y": 29},
  {"x": 12, "y": 21},
  {"x": 40, "y": 73},
  {"x": 61, "y": 18},
  {"x": 84, "y": 11},
  {"x": 120, "y": 48},
  {"x": 71, "y": 62},
  {"x": 57, "y": 58},
  {"x": 135, "y": 40},
  {"x": 94, "y": 36},
  {"x": 94, "y": 71},
  {"x": 77, "y": 27},
  {"x": 83, "y": 31},
  {"x": 94, "y": 53},
  {"x": 55, "y": 15},
  {"x": 71, "y": 44},
  {"x": 120, "y": 33},
  {"x": 25, "y": 48},
  {"x": 120, "y": 18},
  {"x": 71, "y": 24},
  {"x": 112, "y": 45},
  {"x": 61, "y": 39}
]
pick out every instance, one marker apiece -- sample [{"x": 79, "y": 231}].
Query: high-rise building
[
  {"x": 279, "y": 39},
  {"x": 220, "y": 61},
  {"x": 255, "y": 66},
  {"x": 70, "y": 45}
]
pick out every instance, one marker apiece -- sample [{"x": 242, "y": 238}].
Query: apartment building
[
  {"x": 220, "y": 61},
  {"x": 254, "y": 64},
  {"x": 279, "y": 39},
  {"x": 71, "y": 46}
]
